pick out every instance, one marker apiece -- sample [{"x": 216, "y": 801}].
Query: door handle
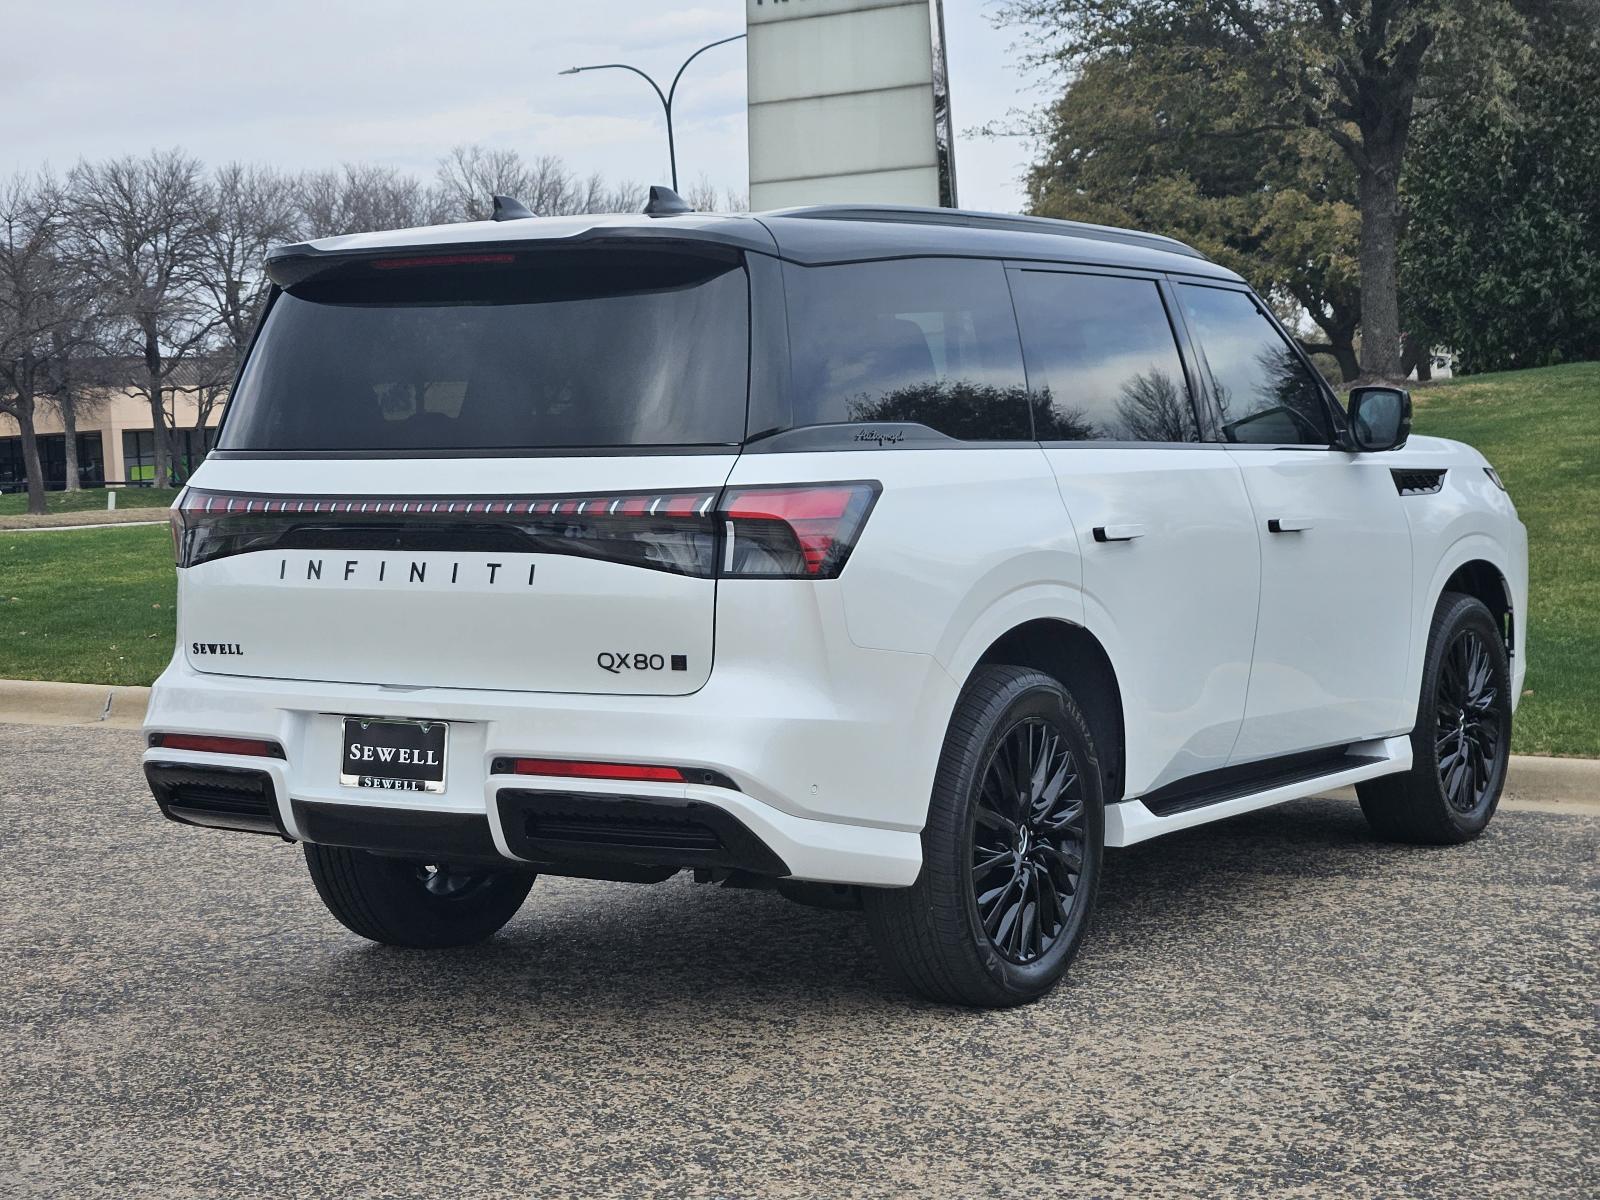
[
  {"x": 1117, "y": 533},
  {"x": 1289, "y": 524}
]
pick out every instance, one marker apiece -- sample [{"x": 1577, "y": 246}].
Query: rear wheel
[
  {"x": 403, "y": 903},
  {"x": 1462, "y": 740},
  {"x": 1011, "y": 851}
]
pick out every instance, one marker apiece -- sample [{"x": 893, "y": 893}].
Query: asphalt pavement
[{"x": 1275, "y": 1005}]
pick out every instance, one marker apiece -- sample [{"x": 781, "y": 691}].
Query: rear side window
[
  {"x": 1265, "y": 393},
  {"x": 1102, "y": 359},
  {"x": 526, "y": 351},
  {"x": 927, "y": 340}
]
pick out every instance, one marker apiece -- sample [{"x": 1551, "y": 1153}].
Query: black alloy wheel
[
  {"x": 1029, "y": 832},
  {"x": 1011, "y": 851},
  {"x": 1468, "y": 718},
  {"x": 1461, "y": 744}
]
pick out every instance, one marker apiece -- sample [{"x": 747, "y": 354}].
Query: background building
[{"x": 116, "y": 436}]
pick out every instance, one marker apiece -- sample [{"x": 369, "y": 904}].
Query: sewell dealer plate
[{"x": 399, "y": 756}]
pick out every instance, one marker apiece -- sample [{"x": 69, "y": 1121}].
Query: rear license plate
[{"x": 397, "y": 756}]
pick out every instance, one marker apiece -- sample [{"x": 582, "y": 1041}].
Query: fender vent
[{"x": 1417, "y": 482}]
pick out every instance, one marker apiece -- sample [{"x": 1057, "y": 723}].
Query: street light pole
[{"x": 666, "y": 97}]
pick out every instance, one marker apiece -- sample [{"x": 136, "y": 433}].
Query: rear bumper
[{"x": 828, "y": 785}]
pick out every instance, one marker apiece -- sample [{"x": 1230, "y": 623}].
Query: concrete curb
[
  {"x": 59, "y": 528},
  {"x": 1535, "y": 782},
  {"x": 34, "y": 702}
]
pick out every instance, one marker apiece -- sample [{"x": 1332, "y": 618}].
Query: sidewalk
[{"x": 94, "y": 518}]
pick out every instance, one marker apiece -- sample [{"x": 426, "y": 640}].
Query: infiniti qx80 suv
[{"x": 893, "y": 558}]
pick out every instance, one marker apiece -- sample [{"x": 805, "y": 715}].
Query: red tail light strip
[
  {"x": 782, "y": 531},
  {"x": 657, "y": 504}
]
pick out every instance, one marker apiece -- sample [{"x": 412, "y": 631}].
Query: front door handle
[
  {"x": 1289, "y": 524},
  {"x": 1117, "y": 533}
]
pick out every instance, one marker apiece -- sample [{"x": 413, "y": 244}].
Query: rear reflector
[
  {"x": 569, "y": 769},
  {"x": 207, "y": 744}
]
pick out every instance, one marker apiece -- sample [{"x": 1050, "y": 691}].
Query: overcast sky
[{"x": 311, "y": 83}]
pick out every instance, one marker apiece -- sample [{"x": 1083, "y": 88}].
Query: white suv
[{"x": 887, "y": 557}]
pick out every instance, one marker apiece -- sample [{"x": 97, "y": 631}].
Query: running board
[{"x": 1134, "y": 821}]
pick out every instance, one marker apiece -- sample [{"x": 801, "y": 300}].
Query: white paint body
[{"x": 826, "y": 702}]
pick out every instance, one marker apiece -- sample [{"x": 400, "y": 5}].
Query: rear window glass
[
  {"x": 927, "y": 340},
  {"x": 552, "y": 349}
]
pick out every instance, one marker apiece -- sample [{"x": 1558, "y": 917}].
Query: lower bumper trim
[
  {"x": 556, "y": 827},
  {"x": 217, "y": 797},
  {"x": 406, "y": 831}
]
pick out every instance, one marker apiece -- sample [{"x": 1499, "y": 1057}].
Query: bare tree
[
  {"x": 248, "y": 210},
  {"x": 361, "y": 197},
  {"x": 702, "y": 195},
  {"x": 469, "y": 178},
  {"x": 626, "y": 196},
  {"x": 77, "y": 389},
  {"x": 38, "y": 291},
  {"x": 138, "y": 231}
]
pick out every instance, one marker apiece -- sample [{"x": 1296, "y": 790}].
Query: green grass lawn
[
  {"x": 86, "y": 606},
  {"x": 1541, "y": 430},
  {"x": 15, "y": 504},
  {"x": 95, "y": 606}
]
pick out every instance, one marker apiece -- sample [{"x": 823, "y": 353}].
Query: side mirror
[{"x": 1380, "y": 417}]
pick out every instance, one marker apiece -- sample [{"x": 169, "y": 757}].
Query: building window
[{"x": 139, "y": 455}]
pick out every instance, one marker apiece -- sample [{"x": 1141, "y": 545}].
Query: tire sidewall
[
  {"x": 1036, "y": 696},
  {"x": 1465, "y": 614}
]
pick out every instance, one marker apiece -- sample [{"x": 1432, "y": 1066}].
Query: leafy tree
[
  {"x": 1130, "y": 142},
  {"x": 1347, "y": 71},
  {"x": 1501, "y": 258}
]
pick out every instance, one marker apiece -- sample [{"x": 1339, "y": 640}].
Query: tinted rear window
[
  {"x": 1102, "y": 359},
  {"x": 927, "y": 340},
  {"x": 553, "y": 349}
]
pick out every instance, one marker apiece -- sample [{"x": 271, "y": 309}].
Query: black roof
[{"x": 812, "y": 236}]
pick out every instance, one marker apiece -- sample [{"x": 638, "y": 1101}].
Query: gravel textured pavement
[{"x": 1275, "y": 1005}]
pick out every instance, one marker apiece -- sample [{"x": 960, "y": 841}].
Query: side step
[{"x": 1232, "y": 791}]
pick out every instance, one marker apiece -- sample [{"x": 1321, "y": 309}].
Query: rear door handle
[
  {"x": 1117, "y": 533},
  {"x": 1289, "y": 524}
]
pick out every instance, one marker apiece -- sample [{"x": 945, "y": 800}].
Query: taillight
[
  {"x": 209, "y": 744},
  {"x": 798, "y": 531},
  {"x": 785, "y": 531},
  {"x": 664, "y": 531}
]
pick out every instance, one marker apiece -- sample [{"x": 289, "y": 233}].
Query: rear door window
[
  {"x": 516, "y": 351},
  {"x": 1266, "y": 393},
  {"x": 931, "y": 341},
  {"x": 1102, "y": 359}
]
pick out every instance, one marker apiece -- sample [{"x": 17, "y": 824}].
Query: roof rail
[{"x": 912, "y": 215}]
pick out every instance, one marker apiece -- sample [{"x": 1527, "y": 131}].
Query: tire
[
  {"x": 1458, "y": 766},
  {"x": 940, "y": 936},
  {"x": 399, "y": 902}
]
